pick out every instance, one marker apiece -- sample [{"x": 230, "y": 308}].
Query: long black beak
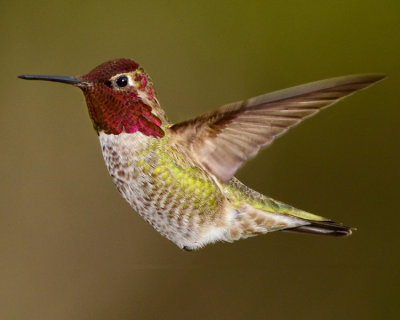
[{"x": 63, "y": 79}]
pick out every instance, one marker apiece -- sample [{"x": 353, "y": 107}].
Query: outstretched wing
[{"x": 224, "y": 139}]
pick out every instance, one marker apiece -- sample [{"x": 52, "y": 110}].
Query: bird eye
[{"x": 122, "y": 81}]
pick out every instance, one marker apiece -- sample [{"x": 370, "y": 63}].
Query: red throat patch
[{"x": 115, "y": 113}]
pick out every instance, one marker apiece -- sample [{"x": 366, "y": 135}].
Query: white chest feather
[{"x": 134, "y": 162}]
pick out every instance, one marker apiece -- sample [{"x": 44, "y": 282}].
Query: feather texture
[{"x": 224, "y": 139}]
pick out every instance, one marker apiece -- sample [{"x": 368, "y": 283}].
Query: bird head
[{"x": 120, "y": 97}]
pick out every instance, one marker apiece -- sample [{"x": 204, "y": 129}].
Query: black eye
[{"x": 122, "y": 81}]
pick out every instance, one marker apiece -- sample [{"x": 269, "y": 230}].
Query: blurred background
[{"x": 71, "y": 248}]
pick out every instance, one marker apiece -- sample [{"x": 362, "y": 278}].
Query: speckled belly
[{"x": 178, "y": 199}]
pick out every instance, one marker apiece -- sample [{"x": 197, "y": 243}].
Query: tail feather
[{"x": 328, "y": 228}]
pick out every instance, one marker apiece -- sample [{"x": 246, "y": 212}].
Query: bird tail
[
  {"x": 327, "y": 228},
  {"x": 262, "y": 214}
]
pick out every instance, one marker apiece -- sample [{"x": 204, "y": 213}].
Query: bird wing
[{"x": 222, "y": 140}]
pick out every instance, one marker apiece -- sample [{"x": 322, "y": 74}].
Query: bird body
[
  {"x": 180, "y": 177},
  {"x": 184, "y": 202}
]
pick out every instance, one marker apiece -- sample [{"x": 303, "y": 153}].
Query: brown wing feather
[{"x": 224, "y": 139}]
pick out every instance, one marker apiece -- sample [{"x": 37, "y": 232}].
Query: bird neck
[{"x": 114, "y": 114}]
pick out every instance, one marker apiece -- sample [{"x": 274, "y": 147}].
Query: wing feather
[{"x": 224, "y": 139}]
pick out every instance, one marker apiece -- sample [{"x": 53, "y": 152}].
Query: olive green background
[{"x": 71, "y": 248}]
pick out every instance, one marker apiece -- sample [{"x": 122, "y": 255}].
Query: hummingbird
[{"x": 181, "y": 177}]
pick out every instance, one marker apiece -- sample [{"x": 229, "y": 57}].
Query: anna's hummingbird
[{"x": 180, "y": 177}]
